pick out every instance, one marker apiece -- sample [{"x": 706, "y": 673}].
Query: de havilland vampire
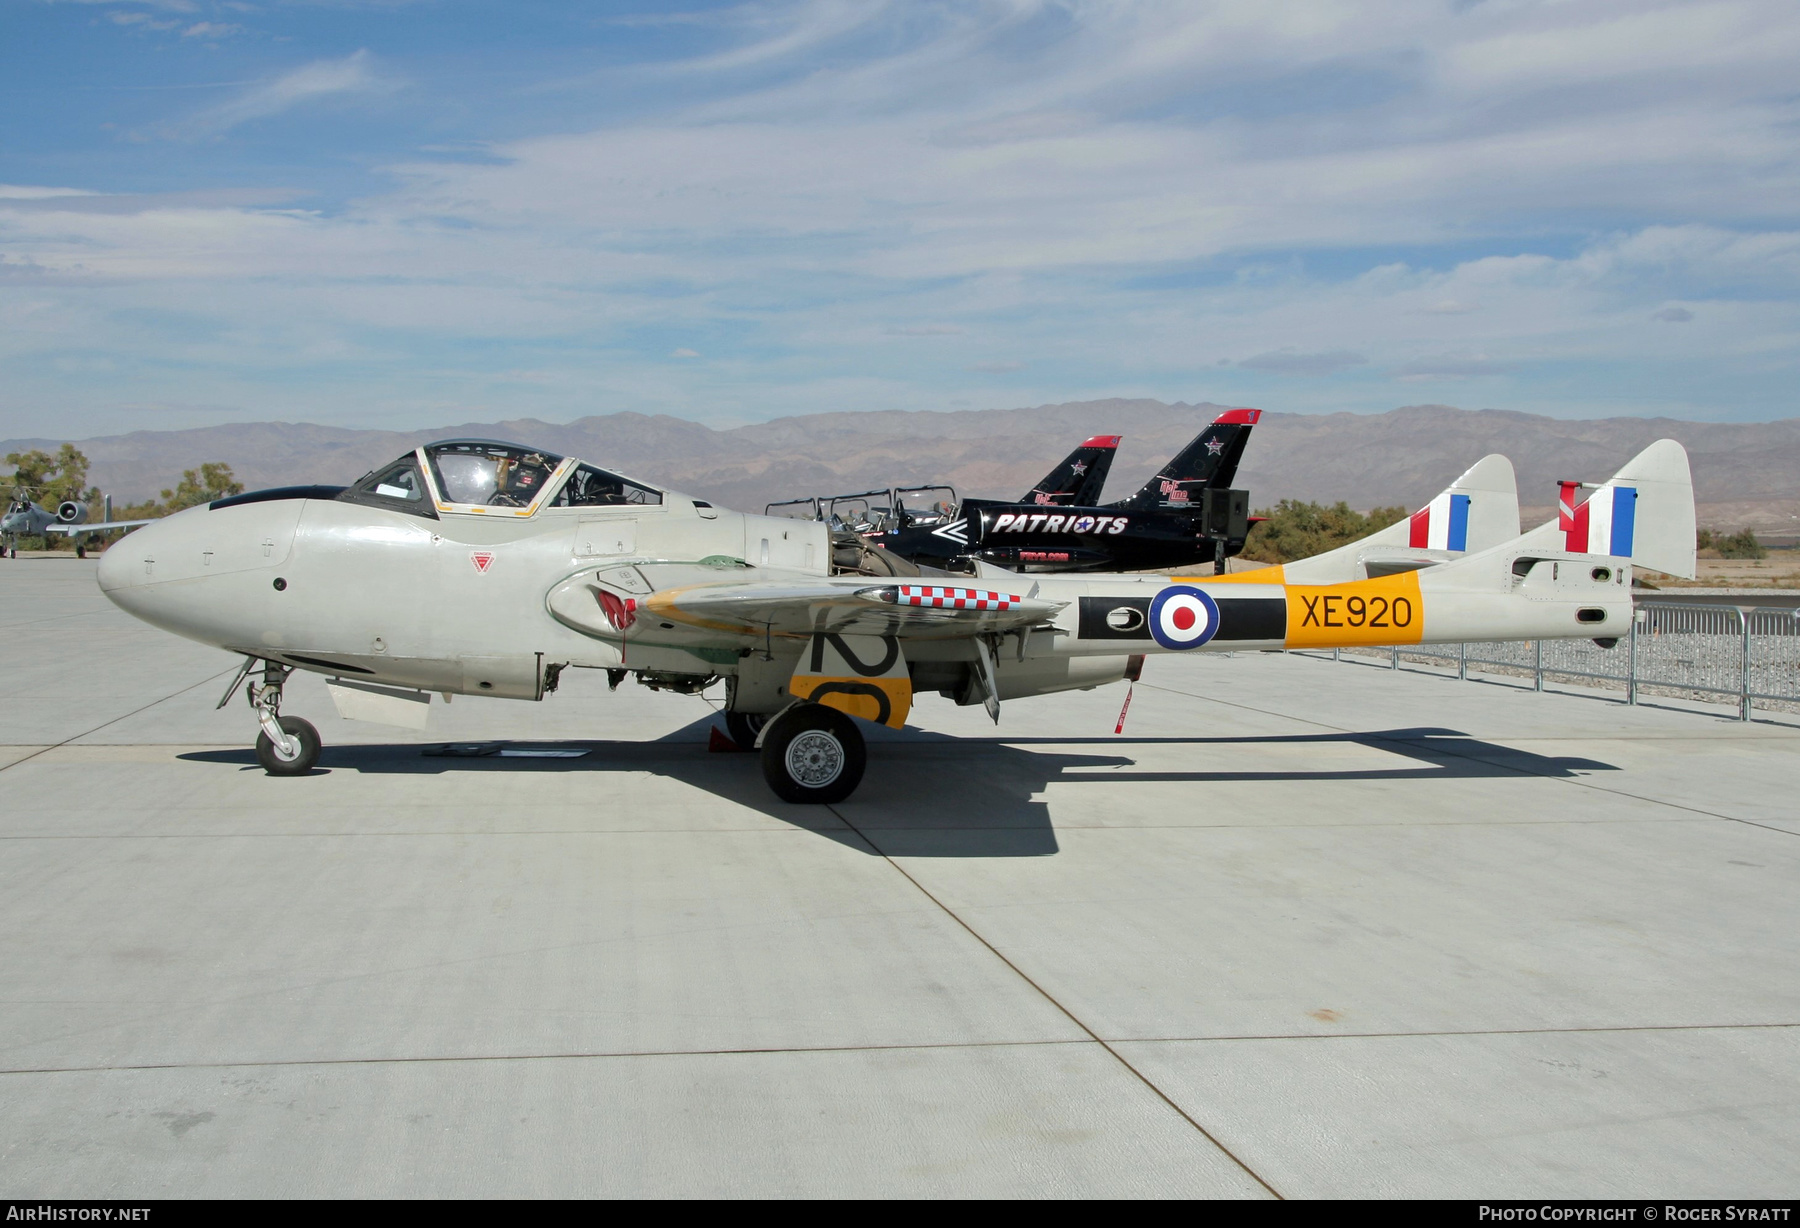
[{"x": 480, "y": 568}]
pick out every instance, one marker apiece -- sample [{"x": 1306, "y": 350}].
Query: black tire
[
  {"x": 813, "y": 755},
  {"x": 81, "y": 552},
  {"x": 310, "y": 746},
  {"x": 742, "y": 727}
]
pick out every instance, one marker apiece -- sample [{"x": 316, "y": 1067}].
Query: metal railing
[{"x": 1685, "y": 650}]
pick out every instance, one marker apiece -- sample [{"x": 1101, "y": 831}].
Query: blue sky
[{"x": 405, "y": 214}]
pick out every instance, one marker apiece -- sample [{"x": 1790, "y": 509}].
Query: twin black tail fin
[
  {"x": 1078, "y": 480},
  {"x": 1209, "y": 461}
]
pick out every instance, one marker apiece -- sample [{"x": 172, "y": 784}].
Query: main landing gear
[
  {"x": 742, "y": 727},
  {"x": 811, "y": 754},
  {"x": 287, "y": 745}
]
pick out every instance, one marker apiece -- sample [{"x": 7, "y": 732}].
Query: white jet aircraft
[{"x": 472, "y": 567}]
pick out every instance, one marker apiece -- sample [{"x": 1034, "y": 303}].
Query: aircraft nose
[
  {"x": 136, "y": 572},
  {"x": 166, "y": 549},
  {"x": 116, "y": 564},
  {"x": 204, "y": 573},
  {"x": 129, "y": 563}
]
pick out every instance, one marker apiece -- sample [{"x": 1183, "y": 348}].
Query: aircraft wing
[
  {"x": 94, "y": 528},
  {"x": 604, "y": 604},
  {"x": 906, "y": 610}
]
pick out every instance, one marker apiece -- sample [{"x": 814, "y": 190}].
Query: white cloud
[
  {"x": 19, "y": 191},
  {"x": 353, "y": 74},
  {"x": 142, "y": 21},
  {"x": 1452, "y": 366},
  {"x": 1288, "y": 362},
  {"x": 212, "y": 29},
  {"x": 172, "y": 6},
  {"x": 1021, "y": 176}
]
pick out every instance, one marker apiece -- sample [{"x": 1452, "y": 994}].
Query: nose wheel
[
  {"x": 299, "y": 754},
  {"x": 287, "y": 745}
]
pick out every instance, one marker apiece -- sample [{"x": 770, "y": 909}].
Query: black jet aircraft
[
  {"x": 864, "y": 524},
  {"x": 1078, "y": 479},
  {"x": 1185, "y": 516}
]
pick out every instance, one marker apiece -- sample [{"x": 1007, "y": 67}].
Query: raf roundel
[{"x": 1183, "y": 617}]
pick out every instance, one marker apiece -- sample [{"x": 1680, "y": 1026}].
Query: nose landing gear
[
  {"x": 287, "y": 745},
  {"x": 296, "y": 754}
]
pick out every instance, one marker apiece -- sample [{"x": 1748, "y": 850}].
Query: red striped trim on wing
[{"x": 945, "y": 597}]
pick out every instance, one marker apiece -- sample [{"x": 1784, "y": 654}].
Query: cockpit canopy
[
  {"x": 471, "y": 474},
  {"x": 490, "y": 474}
]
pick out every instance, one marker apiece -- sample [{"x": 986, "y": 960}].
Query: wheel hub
[{"x": 815, "y": 759}]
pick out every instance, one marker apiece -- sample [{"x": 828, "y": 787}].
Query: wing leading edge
[{"x": 78, "y": 529}]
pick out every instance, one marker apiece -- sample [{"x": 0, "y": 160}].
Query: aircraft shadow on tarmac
[{"x": 932, "y": 795}]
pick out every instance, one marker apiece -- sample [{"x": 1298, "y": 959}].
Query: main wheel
[
  {"x": 269, "y": 755},
  {"x": 744, "y": 726},
  {"x": 813, "y": 754},
  {"x": 81, "y": 552}
]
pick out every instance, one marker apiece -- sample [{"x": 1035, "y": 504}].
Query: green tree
[
  {"x": 1739, "y": 545},
  {"x": 1295, "y": 530},
  {"x": 50, "y": 480},
  {"x": 211, "y": 481}
]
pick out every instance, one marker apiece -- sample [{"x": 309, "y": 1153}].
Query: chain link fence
[{"x": 1687, "y": 651}]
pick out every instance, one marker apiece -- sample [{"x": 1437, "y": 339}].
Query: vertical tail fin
[
  {"x": 1478, "y": 510},
  {"x": 1210, "y": 460},
  {"x": 1644, "y": 512},
  {"x": 1081, "y": 476}
]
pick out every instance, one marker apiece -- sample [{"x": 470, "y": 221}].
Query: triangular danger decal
[{"x": 482, "y": 560}]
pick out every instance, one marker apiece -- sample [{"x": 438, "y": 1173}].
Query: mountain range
[{"x": 1745, "y": 474}]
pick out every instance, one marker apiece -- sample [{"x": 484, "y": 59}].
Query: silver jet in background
[{"x": 474, "y": 567}]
